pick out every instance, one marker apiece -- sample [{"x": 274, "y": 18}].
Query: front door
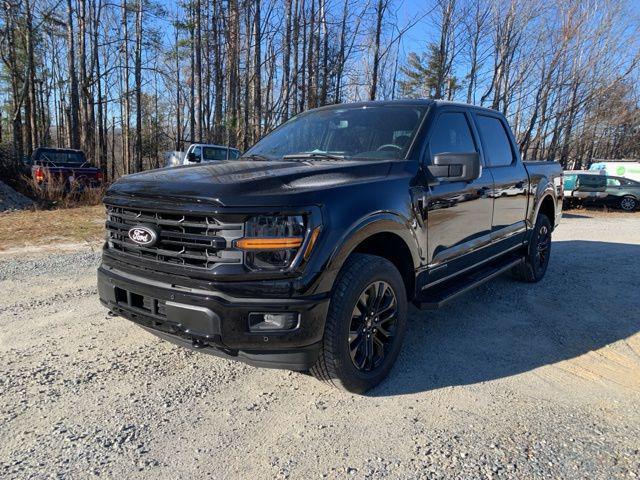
[{"x": 458, "y": 213}]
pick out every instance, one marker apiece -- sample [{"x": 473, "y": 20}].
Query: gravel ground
[
  {"x": 511, "y": 381},
  {"x": 12, "y": 200}
]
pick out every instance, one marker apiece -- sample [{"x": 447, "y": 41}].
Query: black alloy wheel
[
  {"x": 373, "y": 325},
  {"x": 536, "y": 258},
  {"x": 543, "y": 247}
]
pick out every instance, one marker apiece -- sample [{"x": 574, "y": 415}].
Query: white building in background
[{"x": 618, "y": 168}]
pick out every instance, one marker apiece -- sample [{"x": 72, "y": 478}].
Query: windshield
[
  {"x": 61, "y": 157},
  {"x": 378, "y": 132}
]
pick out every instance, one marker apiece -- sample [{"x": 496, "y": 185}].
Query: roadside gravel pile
[
  {"x": 12, "y": 200},
  {"x": 511, "y": 381}
]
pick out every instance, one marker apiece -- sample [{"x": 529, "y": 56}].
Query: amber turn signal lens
[
  {"x": 269, "y": 243},
  {"x": 312, "y": 242}
]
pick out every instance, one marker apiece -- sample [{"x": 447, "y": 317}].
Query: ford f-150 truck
[
  {"x": 67, "y": 166},
  {"x": 305, "y": 252}
]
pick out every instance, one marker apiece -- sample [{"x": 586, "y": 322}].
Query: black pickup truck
[
  {"x": 305, "y": 252},
  {"x": 69, "y": 167}
]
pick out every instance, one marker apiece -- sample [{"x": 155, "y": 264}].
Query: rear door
[
  {"x": 458, "y": 213},
  {"x": 509, "y": 177}
]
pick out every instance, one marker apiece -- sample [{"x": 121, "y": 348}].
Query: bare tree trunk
[
  {"x": 373, "y": 88},
  {"x": 86, "y": 102},
  {"x": 232, "y": 76},
  {"x": 178, "y": 143},
  {"x": 218, "y": 77},
  {"x": 303, "y": 63},
  {"x": 475, "y": 26},
  {"x": 197, "y": 72},
  {"x": 126, "y": 159},
  {"x": 312, "y": 71},
  {"x": 341, "y": 52},
  {"x": 246, "y": 101},
  {"x": 102, "y": 145},
  {"x": 137, "y": 167},
  {"x": 74, "y": 134},
  {"x": 286, "y": 60},
  {"x": 31, "y": 100},
  {"x": 295, "y": 40},
  {"x": 257, "y": 74},
  {"x": 325, "y": 53},
  {"x": 113, "y": 149},
  {"x": 192, "y": 82}
]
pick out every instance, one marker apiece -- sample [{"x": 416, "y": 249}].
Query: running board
[{"x": 440, "y": 294}]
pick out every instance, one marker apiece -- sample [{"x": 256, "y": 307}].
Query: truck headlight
[{"x": 272, "y": 242}]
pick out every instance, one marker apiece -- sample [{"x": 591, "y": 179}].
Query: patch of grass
[
  {"x": 599, "y": 211},
  {"x": 48, "y": 227},
  {"x": 56, "y": 192}
]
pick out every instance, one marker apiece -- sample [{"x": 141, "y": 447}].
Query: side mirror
[
  {"x": 456, "y": 167},
  {"x": 192, "y": 157}
]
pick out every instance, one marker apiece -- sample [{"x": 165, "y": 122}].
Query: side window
[
  {"x": 197, "y": 151},
  {"x": 451, "y": 134},
  {"x": 592, "y": 181},
  {"x": 214, "y": 153},
  {"x": 625, "y": 182},
  {"x": 497, "y": 147},
  {"x": 613, "y": 182}
]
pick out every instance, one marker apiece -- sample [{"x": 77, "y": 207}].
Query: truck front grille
[{"x": 200, "y": 241}]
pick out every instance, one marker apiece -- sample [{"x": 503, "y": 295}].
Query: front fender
[{"x": 380, "y": 222}]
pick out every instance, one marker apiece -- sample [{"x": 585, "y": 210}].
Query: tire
[
  {"x": 356, "y": 355},
  {"x": 536, "y": 259},
  {"x": 628, "y": 203}
]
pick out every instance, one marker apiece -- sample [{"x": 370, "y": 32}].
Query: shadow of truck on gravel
[{"x": 589, "y": 298}]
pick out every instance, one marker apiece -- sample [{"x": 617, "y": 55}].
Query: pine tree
[{"x": 425, "y": 76}]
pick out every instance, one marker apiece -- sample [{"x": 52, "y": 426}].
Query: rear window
[
  {"x": 592, "y": 181},
  {"x": 60, "y": 157}
]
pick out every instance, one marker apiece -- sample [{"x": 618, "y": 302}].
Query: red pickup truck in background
[{"x": 70, "y": 166}]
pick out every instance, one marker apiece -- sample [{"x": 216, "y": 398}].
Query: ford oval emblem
[{"x": 143, "y": 236}]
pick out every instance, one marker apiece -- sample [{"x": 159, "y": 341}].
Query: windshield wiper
[
  {"x": 319, "y": 155},
  {"x": 256, "y": 156}
]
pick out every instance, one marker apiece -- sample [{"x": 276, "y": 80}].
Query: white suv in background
[{"x": 204, "y": 152}]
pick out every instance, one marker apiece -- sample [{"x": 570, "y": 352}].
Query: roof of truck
[
  {"x": 198, "y": 144},
  {"x": 406, "y": 102},
  {"x": 53, "y": 149}
]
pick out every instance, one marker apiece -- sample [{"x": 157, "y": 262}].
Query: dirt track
[{"x": 512, "y": 380}]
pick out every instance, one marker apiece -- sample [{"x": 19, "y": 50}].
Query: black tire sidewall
[
  {"x": 377, "y": 269},
  {"x": 539, "y": 271}
]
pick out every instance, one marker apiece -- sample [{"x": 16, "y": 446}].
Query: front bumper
[{"x": 216, "y": 322}]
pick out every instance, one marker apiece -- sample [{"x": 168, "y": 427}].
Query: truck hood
[{"x": 239, "y": 183}]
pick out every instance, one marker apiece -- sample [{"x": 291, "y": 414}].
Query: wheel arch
[
  {"x": 386, "y": 236},
  {"x": 547, "y": 207}
]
